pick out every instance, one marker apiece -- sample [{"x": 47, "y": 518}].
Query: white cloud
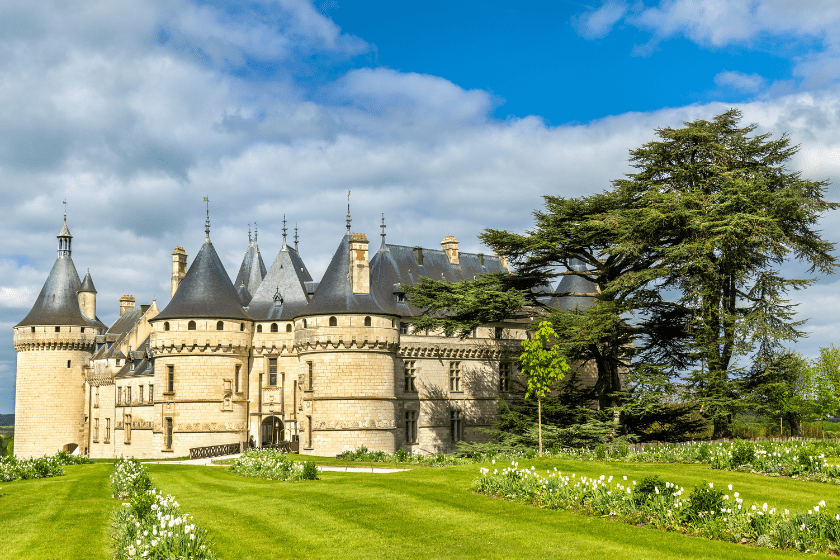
[
  {"x": 597, "y": 23},
  {"x": 740, "y": 81}
]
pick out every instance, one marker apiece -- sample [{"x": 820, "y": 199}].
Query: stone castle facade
[{"x": 274, "y": 356}]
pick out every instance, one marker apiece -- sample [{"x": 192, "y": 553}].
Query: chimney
[
  {"x": 359, "y": 266},
  {"x": 179, "y": 267},
  {"x": 126, "y": 303},
  {"x": 450, "y": 247}
]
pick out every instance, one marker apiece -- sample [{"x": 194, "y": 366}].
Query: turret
[{"x": 87, "y": 297}]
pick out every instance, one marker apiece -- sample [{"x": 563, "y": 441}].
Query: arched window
[
  {"x": 367, "y": 321},
  {"x": 333, "y": 322},
  {"x": 273, "y": 327},
  {"x": 289, "y": 327},
  {"x": 220, "y": 326},
  {"x": 166, "y": 326},
  {"x": 241, "y": 326},
  {"x": 191, "y": 326},
  {"x": 259, "y": 328}
]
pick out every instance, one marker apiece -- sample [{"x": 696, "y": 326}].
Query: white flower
[
  {"x": 711, "y": 485},
  {"x": 730, "y": 487}
]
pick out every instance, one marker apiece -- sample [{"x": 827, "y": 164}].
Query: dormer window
[{"x": 118, "y": 362}]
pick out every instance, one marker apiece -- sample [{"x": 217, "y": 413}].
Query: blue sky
[{"x": 449, "y": 117}]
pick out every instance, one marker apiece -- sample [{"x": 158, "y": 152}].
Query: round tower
[
  {"x": 54, "y": 341},
  {"x": 200, "y": 343},
  {"x": 347, "y": 341}
]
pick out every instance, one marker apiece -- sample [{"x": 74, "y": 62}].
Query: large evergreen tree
[{"x": 718, "y": 210}]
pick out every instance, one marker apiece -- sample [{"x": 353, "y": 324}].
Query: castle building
[{"x": 275, "y": 356}]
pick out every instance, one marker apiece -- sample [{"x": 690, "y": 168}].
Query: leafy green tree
[
  {"x": 781, "y": 386},
  {"x": 825, "y": 372},
  {"x": 717, "y": 209},
  {"x": 543, "y": 366}
]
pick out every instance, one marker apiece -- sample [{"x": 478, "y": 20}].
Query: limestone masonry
[{"x": 274, "y": 356}]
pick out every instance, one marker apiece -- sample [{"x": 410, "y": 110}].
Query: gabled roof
[
  {"x": 252, "y": 269},
  {"x": 205, "y": 292},
  {"x": 58, "y": 302},
  {"x": 286, "y": 279},
  {"x": 334, "y": 293}
]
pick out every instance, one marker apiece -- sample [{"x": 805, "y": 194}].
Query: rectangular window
[
  {"x": 410, "y": 376},
  {"x": 236, "y": 378},
  {"x": 498, "y": 332},
  {"x": 272, "y": 372},
  {"x": 309, "y": 371},
  {"x": 127, "y": 425},
  {"x": 119, "y": 395},
  {"x": 170, "y": 373},
  {"x": 141, "y": 395},
  {"x": 309, "y": 432},
  {"x": 151, "y": 394},
  {"x": 107, "y": 430},
  {"x": 128, "y": 395},
  {"x": 455, "y": 424},
  {"x": 96, "y": 398},
  {"x": 118, "y": 363},
  {"x": 68, "y": 364},
  {"x": 96, "y": 430},
  {"x": 403, "y": 328},
  {"x": 168, "y": 435},
  {"x": 504, "y": 376},
  {"x": 410, "y": 426},
  {"x": 454, "y": 376}
]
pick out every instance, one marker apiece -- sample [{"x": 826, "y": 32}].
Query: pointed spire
[
  {"x": 348, "y": 211},
  {"x": 249, "y": 233},
  {"x": 296, "y": 237},
  {"x": 383, "y": 226},
  {"x": 64, "y": 237},
  {"x": 207, "y": 223},
  {"x": 284, "y": 232}
]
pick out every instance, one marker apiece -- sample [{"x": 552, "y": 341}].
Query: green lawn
[{"x": 422, "y": 513}]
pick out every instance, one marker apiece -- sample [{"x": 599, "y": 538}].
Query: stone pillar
[
  {"x": 179, "y": 267},
  {"x": 450, "y": 247},
  {"x": 359, "y": 266}
]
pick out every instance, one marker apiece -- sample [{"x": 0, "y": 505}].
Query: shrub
[
  {"x": 310, "y": 471},
  {"x": 743, "y": 453},
  {"x": 704, "y": 501},
  {"x": 601, "y": 451},
  {"x": 650, "y": 486}
]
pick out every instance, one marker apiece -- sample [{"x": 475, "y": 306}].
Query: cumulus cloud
[
  {"x": 740, "y": 81},
  {"x": 597, "y": 23}
]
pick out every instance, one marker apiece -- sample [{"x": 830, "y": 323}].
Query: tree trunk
[{"x": 539, "y": 422}]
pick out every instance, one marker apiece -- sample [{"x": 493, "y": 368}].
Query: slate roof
[
  {"x": 58, "y": 302},
  {"x": 205, "y": 292},
  {"x": 252, "y": 269},
  {"x": 87, "y": 284},
  {"x": 243, "y": 294},
  {"x": 122, "y": 326},
  {"x": 573, "y": 283},
  {"x": 334, "y": 294},
  {"x": 289, "y": 277}
]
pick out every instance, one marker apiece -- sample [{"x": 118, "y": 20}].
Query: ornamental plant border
[
  {"x": 149, "y": 524},
  {"x": 706, "y": 512},
  {"x": 273, "y": 464}
]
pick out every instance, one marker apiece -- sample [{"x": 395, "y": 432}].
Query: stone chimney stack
[
  {"x": 450, "y": 247},
  {"x": 179, "y": 267},
  {"x": 359, "y": 265},
  {"x": 126, "y": 303}
]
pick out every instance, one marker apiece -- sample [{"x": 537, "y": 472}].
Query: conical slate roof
[
  {"x": 244, "y": 294},
  {"x": 574, "y": 284},
  {"x": 58, "y": 302},
  {"x": 205, "y": 292},
  {"x": 287, "y": 276},
  {"x": 334, "y": 294},
  {"x": 87, "y": 284},
  {"x": 252, "y": 269}
]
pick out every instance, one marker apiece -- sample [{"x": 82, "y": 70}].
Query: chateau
[{"x": 274, "y": 356}]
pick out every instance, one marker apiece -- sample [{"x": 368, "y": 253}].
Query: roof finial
[
  {"x": 296, "y": 238},
  {"x": 65, "y": 210},
  {"x": 284, "y": 230},
  {"x": 348, "y": 211},
  {"x": 207, "y": 223},
  {"x": 255, "y": 232},
  {"x": 249, "y": 233},
  {"x": 383, "y": 230}
]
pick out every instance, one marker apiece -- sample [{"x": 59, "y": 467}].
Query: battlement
[{"x": 27, "y": 339}]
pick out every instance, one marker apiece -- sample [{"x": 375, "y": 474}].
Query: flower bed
[
  {"x": 706, "y": 511},
  {"x": 151, "y": 525},
  {"x": 273, "y": 464},
  {"x": 45, "y": 467}
]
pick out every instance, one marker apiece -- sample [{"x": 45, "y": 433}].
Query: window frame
[
  {"x": 455, "y": 377},
  {"x": 411, "y": 426},
  {"x": 410, "y": 376}
]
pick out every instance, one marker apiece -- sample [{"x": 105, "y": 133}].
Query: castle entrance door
[{"x": 272, "y": 431}]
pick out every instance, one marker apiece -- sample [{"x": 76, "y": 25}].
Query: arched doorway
[
  {"x": 71, "y": 448},
  {"x": 272, "y": 431}
]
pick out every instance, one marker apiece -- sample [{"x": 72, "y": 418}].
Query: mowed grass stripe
[
  {"x": 58, "y": 518},
  {"x": 427, "y": 513}
]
